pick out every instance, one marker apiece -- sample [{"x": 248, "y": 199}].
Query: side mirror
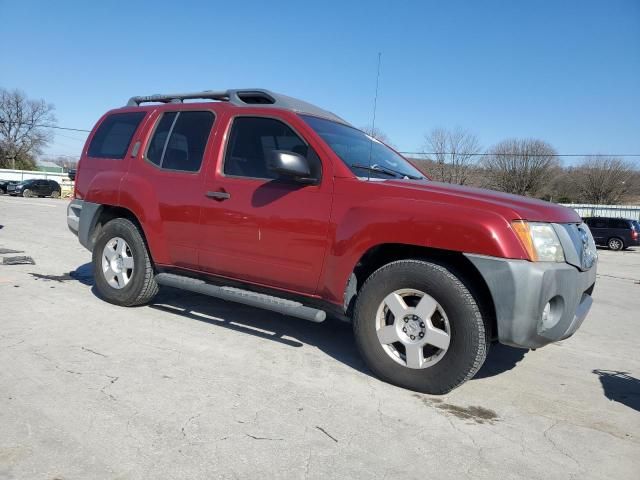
[{"x": 292, "y": 165}]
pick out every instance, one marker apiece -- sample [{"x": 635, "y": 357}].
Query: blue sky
[{"x": 567, "y": 72}]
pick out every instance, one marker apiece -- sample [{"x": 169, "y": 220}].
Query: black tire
[
  {"x": 615, "y": 244},
  {"x": 142, "y": 287},
  {"x": 469, "y": 335}
]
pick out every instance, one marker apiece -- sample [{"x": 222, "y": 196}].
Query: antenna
[{"x": 373, "y": 121}]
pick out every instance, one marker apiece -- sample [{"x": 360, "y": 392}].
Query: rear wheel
[
  {"x": 417, "y": 326},
  {"x": 615, "y": 243},
  {"x": 122, "y": 267}
]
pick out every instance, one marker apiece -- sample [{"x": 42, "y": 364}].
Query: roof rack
[{"x": 241, "y": 98}]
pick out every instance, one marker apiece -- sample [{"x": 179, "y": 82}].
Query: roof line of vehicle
[{"x": 254, "y": 97}]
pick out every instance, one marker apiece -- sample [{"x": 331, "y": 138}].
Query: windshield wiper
[{"x": 387, "y": 171}]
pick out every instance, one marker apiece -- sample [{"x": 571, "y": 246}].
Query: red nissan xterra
[{"x": 263, "y": 199}]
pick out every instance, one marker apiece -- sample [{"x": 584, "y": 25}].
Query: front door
[{"x": 257, "y": 226}]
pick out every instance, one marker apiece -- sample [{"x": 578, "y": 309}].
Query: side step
[{"x": 231, "y": 294}]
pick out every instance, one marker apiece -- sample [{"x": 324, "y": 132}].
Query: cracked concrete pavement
[{"x": 191, "y": 387}]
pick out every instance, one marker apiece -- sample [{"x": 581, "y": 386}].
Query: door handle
[{"x": 222, "y": 195}]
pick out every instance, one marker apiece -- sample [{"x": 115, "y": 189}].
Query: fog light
[
  {"x": 546, "y": 312},
  {"x": 552, "y": 312}
]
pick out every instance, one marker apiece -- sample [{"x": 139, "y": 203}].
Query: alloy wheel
[{"x": 413, "y": 328}]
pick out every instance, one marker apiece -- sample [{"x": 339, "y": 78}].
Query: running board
[{"x": 231, "y": 294}]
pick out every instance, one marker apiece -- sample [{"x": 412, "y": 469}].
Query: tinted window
[
  {"x": 156, "y": 146},
  {"x": 114, "y": 134},
  {"x": 180, "y": 139},
  {"x": 619, "y": 223},
  {"x": 600, "y": 223},
  {"x": 253, "y": 139}
]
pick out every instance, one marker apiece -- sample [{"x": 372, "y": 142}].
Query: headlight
[{"x": 539, "y": 240}]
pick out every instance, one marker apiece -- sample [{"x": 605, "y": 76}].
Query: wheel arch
[
  {"x": 106, "y": 213},
  {"x": 383, "y": 254}
]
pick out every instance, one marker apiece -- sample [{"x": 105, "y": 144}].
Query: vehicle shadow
[
  {"x": 501, "y": 358},
  {"x": 620, "y": 387},
  {"x": 333, "y": 337}
]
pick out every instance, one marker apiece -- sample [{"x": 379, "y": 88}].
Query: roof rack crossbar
[
  {"x": 178, "y": 97},
  {"x": 243, "y": 98}
]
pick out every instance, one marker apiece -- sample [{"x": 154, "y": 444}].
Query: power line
[
  {"x": 528, "y": 154},
  {"x": 48, "y": 126},
  {"x": 485, "y": 154}
]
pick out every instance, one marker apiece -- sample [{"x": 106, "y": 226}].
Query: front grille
[{"x": 584, "y": 254}]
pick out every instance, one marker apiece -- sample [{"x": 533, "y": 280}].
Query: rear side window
[
  {"x": 114, "y": 135},
  {"x": 620, "y": 224},
  {"x": 179, "y": 140}
]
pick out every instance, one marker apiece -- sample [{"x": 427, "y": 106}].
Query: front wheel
[
  {"x": 27, "y": 193},
  {"x": 122, "y": 267},
  {"x": 417, "y": 326},
  {"x": 55, "y": 194}
]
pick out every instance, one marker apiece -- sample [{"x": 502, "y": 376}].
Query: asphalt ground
[{"x": 194, "y": 388}]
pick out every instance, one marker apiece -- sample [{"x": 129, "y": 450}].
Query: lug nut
[
  {"x": 404, "y": 329},
  {"x": 421, "y": 324},
  {"x": 413, "y": 337},
  {"x": 406, "y": 320},
  {"x": 421, "y": 334}
]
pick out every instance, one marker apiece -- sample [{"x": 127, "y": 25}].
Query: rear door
[
  {"x": 621, "y": 228},
  {"x": 173, "y": 165},
  {"x": 40, "y": 187}
]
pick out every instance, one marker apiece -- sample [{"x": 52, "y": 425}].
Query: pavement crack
[
  {"x": 93, "y": 351},
  {"x": 112, "y": 380},
  {"x": 327, "y": 433},
  {"x": 191, "y": 419},
  {"x": 262, "y": 438},
  {"x": 545, "y": 434}
]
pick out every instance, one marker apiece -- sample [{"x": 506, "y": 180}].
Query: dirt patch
[
  {"x": 20, "y": 260},
  {"x": 54, "y": 278},
  {"x": 80, "y": 276},
  {"x": 4, "y": 251},
  {"x": 472, "y": 413}
]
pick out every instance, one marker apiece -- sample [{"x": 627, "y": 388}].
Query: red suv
[{"x": 263, "y": 199}]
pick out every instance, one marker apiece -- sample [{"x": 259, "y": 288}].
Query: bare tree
[
  {"x": 453, "y": 153},
  {"x": 604, "y": 180},
  {"x": 520, "y": 166},
  {"x": 65, "y": 161},
  {"x": 22, "y": 135},
  {"x": 378, "y": 134}
]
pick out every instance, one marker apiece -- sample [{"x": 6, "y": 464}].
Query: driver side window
[{"x": 251, "y": 142}]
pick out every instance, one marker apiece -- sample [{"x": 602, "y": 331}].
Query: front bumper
[{"x": 521, "y": 290}]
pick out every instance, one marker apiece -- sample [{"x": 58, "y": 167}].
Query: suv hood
[{"x": 512, "y": 207}]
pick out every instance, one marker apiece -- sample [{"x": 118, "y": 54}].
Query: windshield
[{"x": 364, "y": 155}]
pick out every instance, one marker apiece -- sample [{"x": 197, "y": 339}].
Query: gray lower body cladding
[
  {"x": 81, "y": 220},
  {"x": 521, "y": 290}
]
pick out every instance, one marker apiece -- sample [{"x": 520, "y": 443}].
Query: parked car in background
[
  {"x": 35, "y": 187},
  {"x": 4, "y": 184},
  {"x": 615, "y": 233}
]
